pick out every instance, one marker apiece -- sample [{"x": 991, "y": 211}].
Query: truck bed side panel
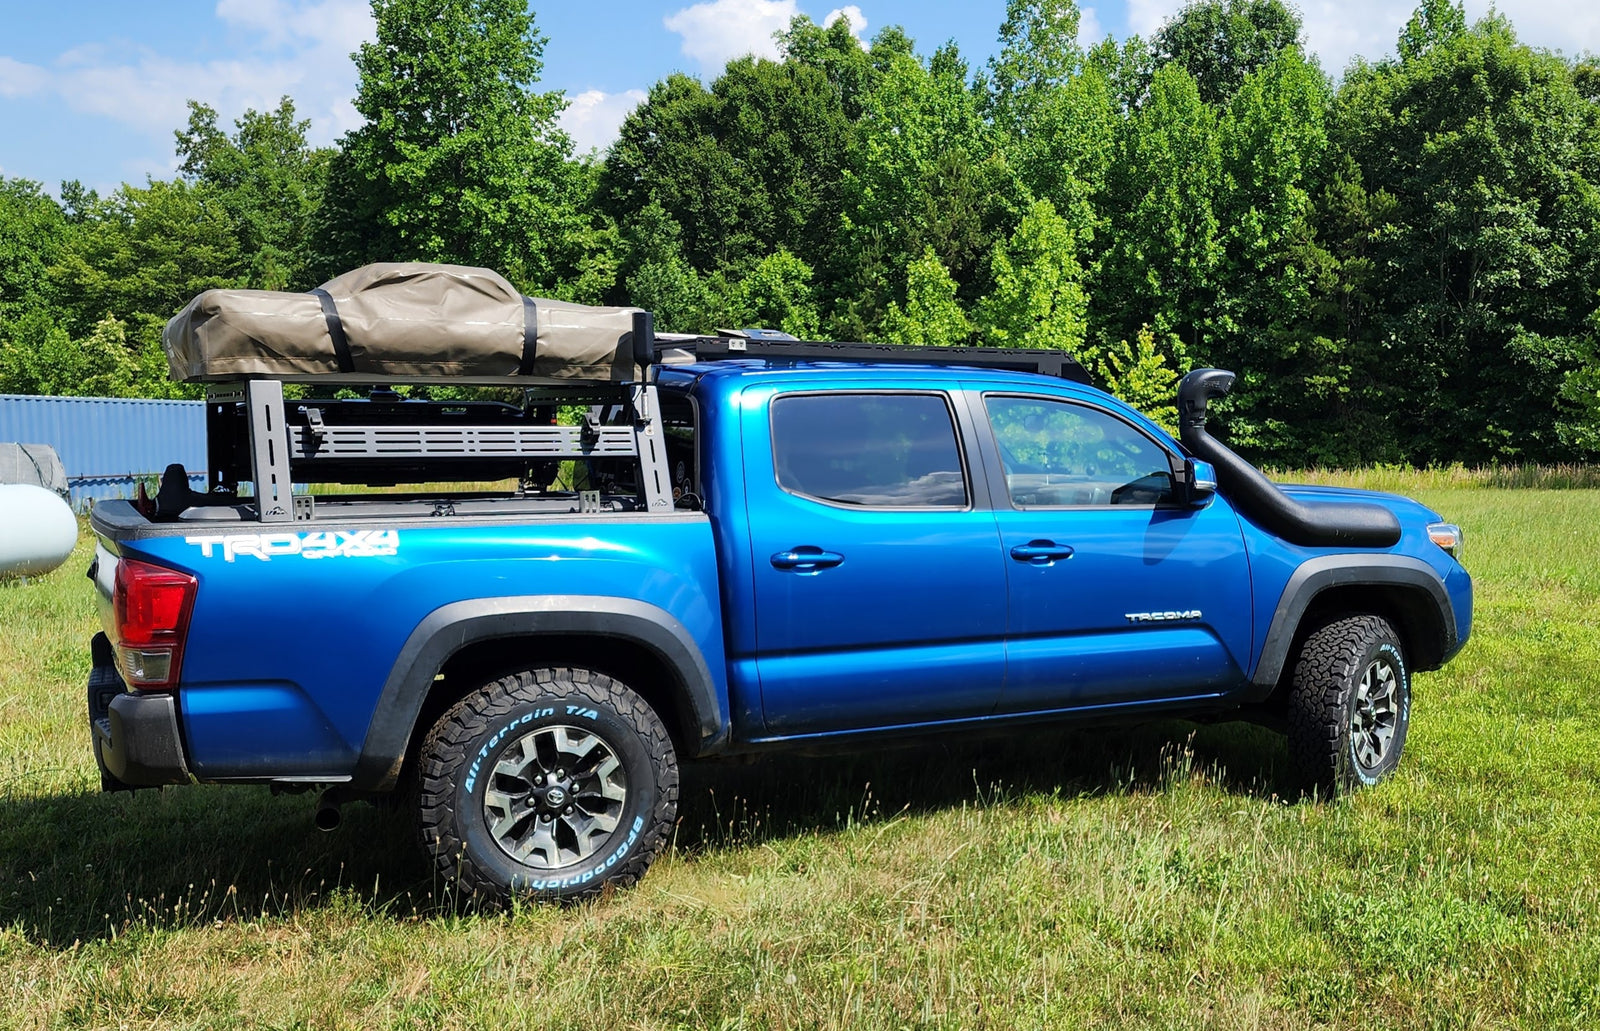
[{"x": 294, "y": 633}]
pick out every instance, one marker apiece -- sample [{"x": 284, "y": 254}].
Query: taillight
[{"x": 150, "y": 613}]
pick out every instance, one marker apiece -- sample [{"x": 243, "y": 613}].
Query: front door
[
  {"x": 880, "y": 596},
  {"x": 1118, "y": 595}
]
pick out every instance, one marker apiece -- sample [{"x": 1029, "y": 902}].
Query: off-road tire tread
[
  {"x": 445, "y": 750},
  {"x": 1318, "y": 717}
]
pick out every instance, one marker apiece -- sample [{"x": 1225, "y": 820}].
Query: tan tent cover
[{"x": 403, "y": 319}]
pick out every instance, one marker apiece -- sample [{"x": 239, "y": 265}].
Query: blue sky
[{"x": 93, "y": 89}]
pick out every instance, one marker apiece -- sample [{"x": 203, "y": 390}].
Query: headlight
[{"x": 1448, "y": 536}]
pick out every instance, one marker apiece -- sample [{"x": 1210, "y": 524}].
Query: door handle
[
  {"x": 806, "y": 559},
  {"x": 1041, "y": 553}
]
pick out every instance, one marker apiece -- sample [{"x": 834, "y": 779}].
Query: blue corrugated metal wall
[{"x": 106, "y": 443}]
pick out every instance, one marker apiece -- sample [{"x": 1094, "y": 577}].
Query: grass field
[{"x": 1150, "y": 877}]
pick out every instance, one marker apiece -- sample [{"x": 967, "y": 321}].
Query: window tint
[
  {"x": 879, "y": 450},
  {"x": 1058, "y": 454}
]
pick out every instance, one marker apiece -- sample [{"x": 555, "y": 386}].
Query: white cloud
[
  {"x": 296, "y": 47},
  {"x": 1334, "y": 30},
  {"x": 337, "y": 26},
  {"x": 717, "y": 31},
  {"x": 1090, "y": 30},
  {"x": 851, "y": 14},
  {"x": 1146, "y": 16},
  {"x": 1561, "y": 25},
  {"x": 592, "y": 118},
  {"x": 1338, "y": 30},
  {"x": 19, "y": 80}
]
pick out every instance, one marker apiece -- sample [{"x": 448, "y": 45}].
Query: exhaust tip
[{"x": 328, "y": 815}]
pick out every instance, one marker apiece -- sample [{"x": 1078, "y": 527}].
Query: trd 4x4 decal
[{"x": 318, "y": 544}]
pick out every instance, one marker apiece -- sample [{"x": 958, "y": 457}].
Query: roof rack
[{"x": 772, "y": 345}]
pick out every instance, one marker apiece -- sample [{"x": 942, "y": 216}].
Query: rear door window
[{"x": 869, "y": 450}]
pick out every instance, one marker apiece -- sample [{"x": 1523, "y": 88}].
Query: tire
[
  {"x": 1349, "y": 705},
  {"x": 546, "y": 783}
]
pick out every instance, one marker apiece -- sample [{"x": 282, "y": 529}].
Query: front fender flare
[
  {"x": 449, "y": 628},
  {"x": 1316, "y": 575}
]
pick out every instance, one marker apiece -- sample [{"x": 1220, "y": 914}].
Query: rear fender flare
[{"x": 450, "y": 628}]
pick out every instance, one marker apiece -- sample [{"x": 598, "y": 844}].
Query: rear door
[
  {"x": 1117, "y": 594},
  {"x": 880, "y": 596}
]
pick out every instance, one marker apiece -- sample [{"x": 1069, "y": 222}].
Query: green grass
[{"x": 1150, "y": 877}]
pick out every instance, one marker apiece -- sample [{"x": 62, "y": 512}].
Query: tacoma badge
[{"x": 1161, "y": 617}]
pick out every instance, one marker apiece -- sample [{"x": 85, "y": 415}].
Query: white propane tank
[{"x": 37, "y": 530}]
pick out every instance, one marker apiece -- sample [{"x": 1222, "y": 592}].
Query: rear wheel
[
  {"x": 1349, "y": 705},
  {"x": 548, "y": 782}
]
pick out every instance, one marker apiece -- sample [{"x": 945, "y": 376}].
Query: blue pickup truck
[{"x": 758, "y": 547}]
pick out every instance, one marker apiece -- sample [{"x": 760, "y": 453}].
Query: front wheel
[
  {"x": 550, "y": 783},
  {"x": 1349, "y": 705}
]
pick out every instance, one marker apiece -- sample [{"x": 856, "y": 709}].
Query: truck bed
[{"x": 296, "y": 628}]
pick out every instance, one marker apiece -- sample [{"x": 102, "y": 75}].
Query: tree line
[{"x": 1403, "y": 266}]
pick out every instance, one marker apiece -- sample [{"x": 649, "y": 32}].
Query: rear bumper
[{"x": 136, "y": 738}]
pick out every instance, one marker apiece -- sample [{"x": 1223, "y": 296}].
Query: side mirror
[{"x": 1202, "y": 478}]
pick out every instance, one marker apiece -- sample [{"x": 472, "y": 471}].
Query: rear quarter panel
[{"x": 287, "y": 653}]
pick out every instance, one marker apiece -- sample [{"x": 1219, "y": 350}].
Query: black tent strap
[
  {"x": 530, "y": 335},
  {"x": 341, "y": 344}
]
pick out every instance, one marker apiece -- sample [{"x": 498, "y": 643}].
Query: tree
[
  {"x": 1488, "y": 258},
  {"x": 667, "y": 154},
  {"x": 1038, "y": 298},
  {"x": 267, "y": 179},
  {"x": 1220, "y": 42},
  {"x": 924, "y": 171},
  {"x": 459, "y": 160},
  {"x": 42, "y": 359},
  {"x": 1140, "y": 374},
  {"x": 1064, "y": 152},
  {"x": 932, "y": 315},
  {"x": 1274, "y": 141},
  {"x": 32, "y": 230},
  {"x": 1580, "y": 395},
  {"x": 1434, "y": 23},
  {"x": 745, "y": 168},
  {"x": 145, "y": 251},
  {"x": 1163, "y": 188},
  {"x": 777, "y": 294},
  {"x": 838, "y": 55},
  {"x": 1039, "y": 54}
]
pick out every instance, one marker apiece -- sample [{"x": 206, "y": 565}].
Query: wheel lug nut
[
  {"x": 561, "y": 774},
  {"x": 539, "y": 779},
  {"x": 567, "y": 811}
]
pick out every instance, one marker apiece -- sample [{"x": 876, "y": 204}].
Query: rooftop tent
[{"x": 399, "y": 320}]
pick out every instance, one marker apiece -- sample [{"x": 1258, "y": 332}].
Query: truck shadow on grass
[
  {"x": 85, "y": 867},
  {"x": 777, "y": 796}
]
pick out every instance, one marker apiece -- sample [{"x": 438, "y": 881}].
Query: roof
[{"x": 727, "y": 376}]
